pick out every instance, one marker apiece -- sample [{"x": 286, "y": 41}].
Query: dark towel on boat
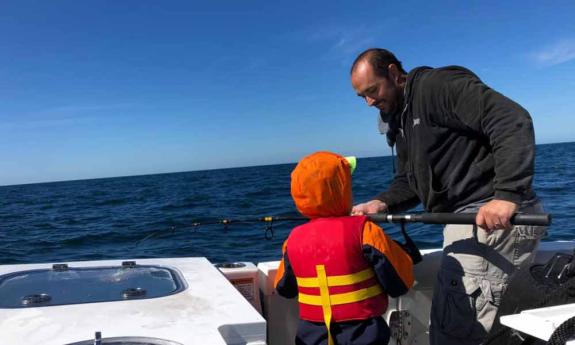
[{"x": 534, "y": 286}]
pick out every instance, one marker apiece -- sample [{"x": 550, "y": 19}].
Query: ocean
[{"x": 151, "y": 216}]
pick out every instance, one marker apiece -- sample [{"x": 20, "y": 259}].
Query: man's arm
[
  {"x": 398, "y": 198},
  {"x": 474, "y": 106}
]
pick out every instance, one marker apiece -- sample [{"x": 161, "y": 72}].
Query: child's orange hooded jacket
[{"x": 348, "y": 259}]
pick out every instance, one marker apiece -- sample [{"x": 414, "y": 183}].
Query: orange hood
[{"x": 321, "y": 185}]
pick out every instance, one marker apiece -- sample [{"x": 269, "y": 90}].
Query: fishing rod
[
  {"x": 226, "y": 222},
  {"x": 267, "y": 219},
  {"x": 269, "y": 232},
  {"x": 540, "y": 219}
]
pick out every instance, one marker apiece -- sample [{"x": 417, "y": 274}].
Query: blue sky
[{"x": 113, "y": 88}]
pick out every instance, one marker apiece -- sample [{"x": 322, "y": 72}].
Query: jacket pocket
[
  {"x": 460, "y": 297},
  {"x": 527, "y": 232},
  {"x": 437, "y": 193}
]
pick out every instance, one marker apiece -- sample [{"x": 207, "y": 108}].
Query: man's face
[{"x": 382, "y": 93}]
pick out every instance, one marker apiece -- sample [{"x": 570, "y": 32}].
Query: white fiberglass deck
[
  {"x": 209, "y": 311},
  {"x": 541, "y": 322}
]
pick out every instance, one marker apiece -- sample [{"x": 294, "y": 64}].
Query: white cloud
[
  {"x": 63, "y": 116},
  {"x": 559, "y": 52},
  {"x": 42, "y": 124},
  {"x": 346, "y": 40},
  {"x": 71, "y": 109}
]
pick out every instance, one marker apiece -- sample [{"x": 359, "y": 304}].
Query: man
[{"x": 462, "y": 147}]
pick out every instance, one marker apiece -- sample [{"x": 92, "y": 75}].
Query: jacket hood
[{"x": 321, "y": 185}]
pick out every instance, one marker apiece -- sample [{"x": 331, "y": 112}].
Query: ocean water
[{"x": 151, "y": 216}]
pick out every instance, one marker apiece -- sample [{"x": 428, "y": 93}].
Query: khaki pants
[{"x": 474, "y": 272}]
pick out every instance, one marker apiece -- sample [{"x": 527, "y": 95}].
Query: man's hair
[{"x": 379, "y": 59}]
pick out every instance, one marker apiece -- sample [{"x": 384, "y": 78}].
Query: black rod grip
[{"x": 541, "y": 219}]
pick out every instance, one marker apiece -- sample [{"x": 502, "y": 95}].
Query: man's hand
[
  {"x": 496, "y": 214},
  {"x": 373, "y": 206}
]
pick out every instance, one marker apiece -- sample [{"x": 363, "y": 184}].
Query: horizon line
[{"x": 200, "y": 170}]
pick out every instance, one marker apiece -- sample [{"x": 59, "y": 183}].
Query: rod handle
[{"x": 539, "y": 219}]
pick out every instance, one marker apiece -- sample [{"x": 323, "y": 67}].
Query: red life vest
[{"x": 335, "y": 282}]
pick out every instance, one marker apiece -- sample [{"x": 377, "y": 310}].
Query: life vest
[{"x": 335, "y": 282}]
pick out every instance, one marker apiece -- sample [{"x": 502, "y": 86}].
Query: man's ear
[{"x": 393, "y": 73}]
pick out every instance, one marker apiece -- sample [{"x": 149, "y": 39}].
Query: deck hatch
[
  {"x": 75, "y": 285},
  {"x": 127, "y": 341}
]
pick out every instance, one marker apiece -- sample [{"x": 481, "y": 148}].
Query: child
[{"x": 341, "y": 267}]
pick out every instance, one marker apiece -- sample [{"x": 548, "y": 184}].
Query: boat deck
[{"x": 209, "y": 311}]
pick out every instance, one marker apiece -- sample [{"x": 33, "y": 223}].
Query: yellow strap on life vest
[
  {"x": 325, "y": 299},
  {"x": 347, "y": 279},
  {"x": 342, "y": 298}
]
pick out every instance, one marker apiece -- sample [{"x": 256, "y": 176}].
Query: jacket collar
[{"x": 390, "y": 124}]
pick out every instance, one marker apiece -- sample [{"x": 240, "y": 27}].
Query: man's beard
[{"x": 395, "y": 112}]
